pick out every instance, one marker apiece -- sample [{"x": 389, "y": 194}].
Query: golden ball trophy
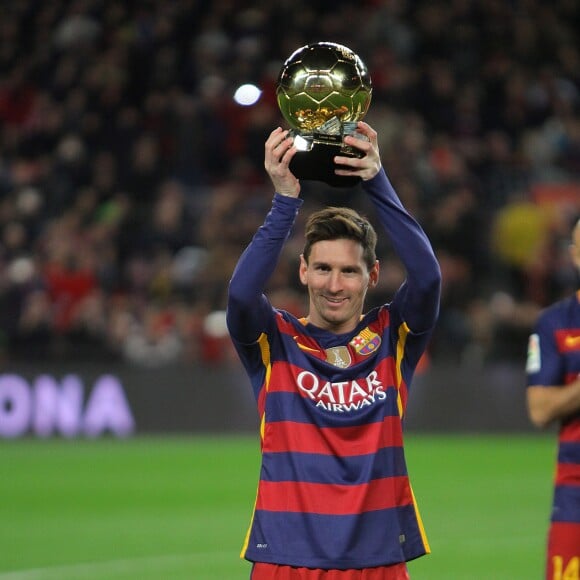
[{"x": 323, "y": 90}]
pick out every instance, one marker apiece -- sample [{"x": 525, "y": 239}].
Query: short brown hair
[{"x": 333, "y": 223}]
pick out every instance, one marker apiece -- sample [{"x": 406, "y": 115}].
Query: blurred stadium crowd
[{"x": 130, "y": 180}]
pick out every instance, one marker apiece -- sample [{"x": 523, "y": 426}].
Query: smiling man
[
  {"x": 334, "y": 499},
  {"x": 338, "y": 271}
]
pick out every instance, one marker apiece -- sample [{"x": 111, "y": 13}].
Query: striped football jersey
[
  {"x": 554, "y": 359},
  {"x": 334, "y": 490}
]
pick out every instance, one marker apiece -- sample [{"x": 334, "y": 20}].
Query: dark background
[{"x": 130, "y": 182}]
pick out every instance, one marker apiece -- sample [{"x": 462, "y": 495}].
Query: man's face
[{"x": 337, "y": 279}]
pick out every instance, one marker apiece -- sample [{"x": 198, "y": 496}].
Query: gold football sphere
[{"x": 320, "y": 81}]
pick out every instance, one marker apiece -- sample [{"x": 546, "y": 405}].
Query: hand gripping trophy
[{"x": 323, "y": 90}]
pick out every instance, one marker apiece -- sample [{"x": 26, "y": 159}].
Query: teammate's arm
[{"x": 549, "y": 403}]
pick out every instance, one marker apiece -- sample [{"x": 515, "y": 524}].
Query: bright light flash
[{"x": 247, "y": 95}]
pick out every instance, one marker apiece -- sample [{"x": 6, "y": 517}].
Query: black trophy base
[{"x": 318, "y": 164}]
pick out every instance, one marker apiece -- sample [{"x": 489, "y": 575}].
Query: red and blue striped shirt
[
  {"x": 334, "y": 491},
  {"x": 554, "y": 360}
]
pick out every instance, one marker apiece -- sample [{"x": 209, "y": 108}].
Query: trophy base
[{"x": 316, "y": 161}]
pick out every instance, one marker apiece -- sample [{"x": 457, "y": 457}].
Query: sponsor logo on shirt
[
  {"x": 567, "y": 339},
  {"x": 342, "y": 396},
  {"x": 572, "y": 342}
]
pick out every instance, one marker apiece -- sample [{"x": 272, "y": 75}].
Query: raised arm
[
  {"x": 418, "y": 298},
  {"x": 248, "y": 308}
]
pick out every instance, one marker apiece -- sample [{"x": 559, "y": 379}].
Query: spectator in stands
[{"x": 106, "y": 106}]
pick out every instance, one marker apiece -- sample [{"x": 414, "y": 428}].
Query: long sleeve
[
  {"x": 418, "y": 298},
  {"x": 248, "y": 308}
]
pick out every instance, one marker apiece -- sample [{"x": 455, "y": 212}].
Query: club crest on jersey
[
  {"x": 366, "y": 342},
  {"x": 338, "y": 356}
]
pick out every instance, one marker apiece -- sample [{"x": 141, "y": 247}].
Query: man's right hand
[{"x": 279, "y": 150}]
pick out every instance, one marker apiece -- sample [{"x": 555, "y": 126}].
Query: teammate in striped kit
[
  {"x": 553, "y": 394},
  {"x": 334, "y": 500}
]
